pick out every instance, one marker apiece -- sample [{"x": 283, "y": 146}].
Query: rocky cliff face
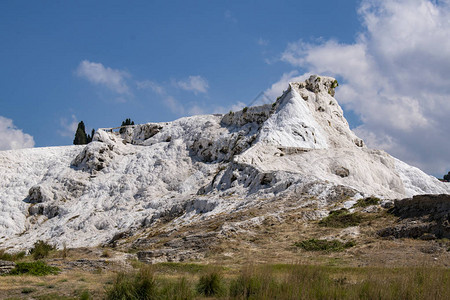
[{"x": 196, "y": 168}]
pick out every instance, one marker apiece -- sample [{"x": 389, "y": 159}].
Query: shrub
[
  {"x": 41, "y": 250},
  {"x": 341, "y": 219},
  {"x": 367, "y": 202},
  {"x": 11, "y": 256},
  {"x": 210, "y": 284},
  {"x": 324, "y": 245},
  {"x": 245, "y": 109},
  {"x": 37, "y": 268}
]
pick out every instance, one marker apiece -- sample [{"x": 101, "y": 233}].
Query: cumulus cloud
[
  {"x": 13, "y": 138},
  {"x": 395, "y": 76},
  {"x": 96, "y": 73},
  {"x": 196, "y": 84},
  {"x": 68, "y": 127},
  {"x": 278, "y": 87}
]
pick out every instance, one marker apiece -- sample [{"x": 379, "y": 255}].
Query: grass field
[{"x": 268, "y": 281}]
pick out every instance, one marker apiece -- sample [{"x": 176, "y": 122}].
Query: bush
[
  {"x": 367, "y": 202},
  {"x": 11, "y": 256},
  {"x": 41, "y": 250},
  {"x": 245, "y": 109},
  {"x": 37, "y": 268},
  {"x": 210, "y": 285},
  {"x": 341, "y": 219},
  {"x": 324, "y": 245}
]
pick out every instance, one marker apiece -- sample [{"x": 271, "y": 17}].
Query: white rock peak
[{"x": 300, "y": 146}]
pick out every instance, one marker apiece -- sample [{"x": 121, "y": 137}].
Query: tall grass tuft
[
  {"x": 134, "y": 286},
  {"x": 210, "y": 284}
]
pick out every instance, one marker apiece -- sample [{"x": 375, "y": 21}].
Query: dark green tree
[
  {"x": 447, "y": 177},
  {"x": 80, "y": 135},
  {"x": 91, "y": 136},
  {"x": 125, "y": 123}
]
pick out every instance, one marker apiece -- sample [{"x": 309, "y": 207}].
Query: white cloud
[
  {"x": 278, "y": 87},
  {"x": 174, "y": 106},
  {"x": 262, "y": 42},
  {"x": 396, "y": 77},
  {"x": 13, "y": 138},
  {"x": 148, "y": 84},
  {"x": 230, "y": 17},
  {"x": 98, "y": 74},
  {"x": 68, "y": 127},
  {"x": 196, "y": 84}
]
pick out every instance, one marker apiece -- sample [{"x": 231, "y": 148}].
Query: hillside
[{"x": 156, "y": 179}]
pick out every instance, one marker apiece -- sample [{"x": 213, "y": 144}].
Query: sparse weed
[{"x": 106, "y": 253}]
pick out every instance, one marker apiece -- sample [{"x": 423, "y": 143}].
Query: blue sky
[{"x": 104, "y": 61}]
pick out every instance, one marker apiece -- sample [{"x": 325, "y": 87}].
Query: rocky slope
[{"x": 298, "y": 151}]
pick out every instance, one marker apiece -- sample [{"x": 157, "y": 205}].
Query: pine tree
[
  {"x": 125, "y": 123},
  {"x": 91, "y": 136},
  {"x": 447, "y": 177},
  {"x": 80, "y": 135}
]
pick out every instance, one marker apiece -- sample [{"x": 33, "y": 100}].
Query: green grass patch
[
  {"x": 367, "y": 202},
  {"x": 324, "y": 245},
  {"x": 341, "y": 218},
  {"x": 36, "y": 268}
]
